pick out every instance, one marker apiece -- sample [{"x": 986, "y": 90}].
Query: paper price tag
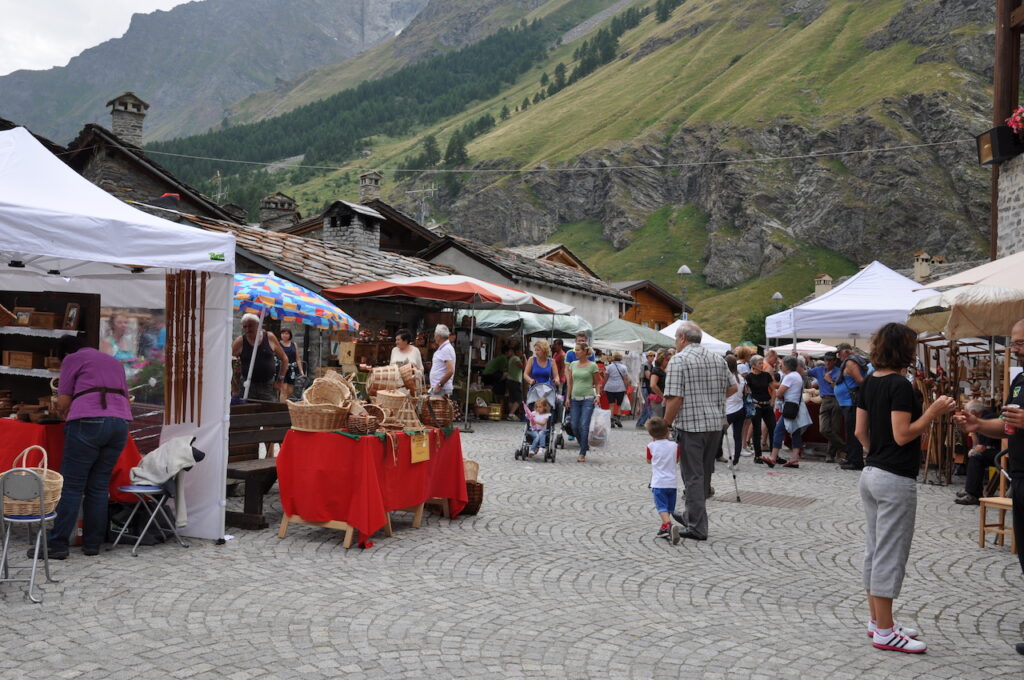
[{"x": 420, "y": 447}]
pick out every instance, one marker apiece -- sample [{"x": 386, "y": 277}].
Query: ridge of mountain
[{"x": 191, "y": 63}]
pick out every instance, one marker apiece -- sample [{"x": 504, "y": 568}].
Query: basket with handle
[
  {"x": 383, "y": 378},
  {"x": 410, "y": 378},
  {"x": 391, "y": 400},
  {"x": 318, "y": 417},
  {"x": 339, "y": 379},
  {"x": 361, "y": 423},
  {"x": 324, "y": 391},
  {"x": 53, "y": 482},
  {"x": 437, "y": 412}
]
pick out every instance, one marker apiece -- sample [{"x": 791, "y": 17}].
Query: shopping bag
[{"x": 600, "y": 426}]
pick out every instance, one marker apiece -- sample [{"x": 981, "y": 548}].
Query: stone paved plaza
[{"x": 559, "y": 576}]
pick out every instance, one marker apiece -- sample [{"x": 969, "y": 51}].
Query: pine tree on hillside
[
  {"x": 431, "y": 152},
  {"x": 525, "y": 105},
  {"x": 505, "y": 112},
  {"x": 455, "y": 154}
]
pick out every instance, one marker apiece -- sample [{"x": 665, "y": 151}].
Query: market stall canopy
[
  {"x": 54, "y": 220},
  {"x": 707, "y": 340},
  {"x": 815, "y": 349},
  {"x": 454, "y": 289},
  {"x": 528, "y": 323},
  {"x": 1004, "y": 272},
  {"x": 266, "y": 294},
  {"x": 616, "y": 332},
  {"x": 859, "y": 306},
  {"x": 969, "y": 311}
]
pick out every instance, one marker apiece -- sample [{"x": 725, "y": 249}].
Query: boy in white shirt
[{"x": 662, "y": 455}]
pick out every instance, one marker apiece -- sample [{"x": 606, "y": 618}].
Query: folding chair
[
  {"x": 154, "y": 500},
  {"x": 22, "y": 484}
]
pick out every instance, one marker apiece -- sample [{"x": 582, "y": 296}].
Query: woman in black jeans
[
  {"x": 735, "y": 411},
  {"x": 760, "y": 383}
]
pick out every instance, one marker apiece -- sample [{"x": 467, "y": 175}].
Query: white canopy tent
[
  {"x": 61, "y": 233},
  {"x": 815, "y": 349},
  {"x": 858, "y": 307},
  {"x": 707, "y": 340}
]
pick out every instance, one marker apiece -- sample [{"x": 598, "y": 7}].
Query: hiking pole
[{"x": 732, "y": 468}]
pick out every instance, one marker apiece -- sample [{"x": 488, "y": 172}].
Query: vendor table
[
  {"x": 16, "y": 436},
  {"x": 348, "y": 482}
]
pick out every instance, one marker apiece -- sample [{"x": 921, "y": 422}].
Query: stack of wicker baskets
[
  {"x": 383, "y": 378},
  {"x": 53, "y": 483},
  {"x": 474, "y": 489},
  {"x": 324, "y": 407}
]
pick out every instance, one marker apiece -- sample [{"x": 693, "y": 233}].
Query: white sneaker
[
  {"x": 898, "y": 643},
  {"x": 901, "y": 629},
  {"x": 541, "y": 451},
  {"x": 746, "y": 452}
]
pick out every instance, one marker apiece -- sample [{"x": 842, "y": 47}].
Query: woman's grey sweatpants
[{"x": 890, "y": 507}]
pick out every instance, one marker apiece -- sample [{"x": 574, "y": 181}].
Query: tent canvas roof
[
  {"x": 618, "y": 330},
  {"x": 709, "y": 341},
  {"x": 860, "y": 305},
  {"x": 1004, "y": 272},
  {"x": 66, "y": 222}
]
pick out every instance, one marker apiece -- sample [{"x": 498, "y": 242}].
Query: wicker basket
[
  {"x": 475, "y": 493},
  {"x": 362, "y": 424},
  {"x": 406, "y": 418},
  {"x": 53, "y": 482},
  {"x": 383, "y": 378},
  {"x": 472, "y": 469},
  {"x": 317, "y": 417},
  {"x": 437, "y": 412},
  {"x": 375, "y": 411},
  {"x": 341, "y": 380},
  {"x": 410, "y": 378},
  {"x": 325, "y": 391},
  {"x": 390, "y": 400}
]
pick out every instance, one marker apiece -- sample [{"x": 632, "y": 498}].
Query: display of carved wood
[{"x": 185, "y": 302}]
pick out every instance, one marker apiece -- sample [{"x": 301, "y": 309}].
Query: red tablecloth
[
  {"x": 324, "y": 476},
  {"x": 16, "y": 436}
]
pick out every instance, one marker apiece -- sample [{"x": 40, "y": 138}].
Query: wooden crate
[
  {"x": 46, "y": 320},
  {"x": 16, "y": 359}
]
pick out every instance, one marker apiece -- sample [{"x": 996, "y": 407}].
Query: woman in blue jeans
[
  {"x": 582, "y": 389},
  {"x": 93, "y": 398},
  {"x": 791, "y": 391}
]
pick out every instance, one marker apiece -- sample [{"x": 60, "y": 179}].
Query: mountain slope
[{"x": 192, "y": 62}]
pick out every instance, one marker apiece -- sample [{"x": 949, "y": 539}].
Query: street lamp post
[{"x": 683, "y": 272}]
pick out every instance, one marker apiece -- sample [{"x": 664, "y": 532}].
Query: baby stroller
[{"x": 554, "y": 437}]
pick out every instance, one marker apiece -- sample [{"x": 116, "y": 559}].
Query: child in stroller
[{"x": 539, "y": 435}]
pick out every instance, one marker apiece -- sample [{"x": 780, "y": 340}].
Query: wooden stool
[{"x": 1002, "y": 505}]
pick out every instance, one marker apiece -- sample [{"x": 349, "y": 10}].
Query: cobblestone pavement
[{"x": 559, "y": 576}]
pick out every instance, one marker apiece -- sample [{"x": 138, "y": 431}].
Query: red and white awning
[{"x": 462, "y": 291}]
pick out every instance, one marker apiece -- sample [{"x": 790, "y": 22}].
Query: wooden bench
[{"x": 252, "y": 425}]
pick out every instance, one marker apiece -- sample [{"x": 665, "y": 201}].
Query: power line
[{"x": 606, "y": 168}]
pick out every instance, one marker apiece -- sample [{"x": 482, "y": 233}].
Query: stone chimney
[
  {"x": 278, "y": 211},
  {"x": 369, "y": 186},
  {"x": 126, "y": 115},
  {"x": 922, "y": 266},
  {"x": 353, "y": 225},
  {"x": 822, "y": 284}
]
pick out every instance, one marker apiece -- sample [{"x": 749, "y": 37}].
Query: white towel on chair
[{"x": 159, "y": 465}]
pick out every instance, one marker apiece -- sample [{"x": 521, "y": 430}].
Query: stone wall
[
  {"x": 351, "y": 230},
  {"x": 1011, "y": 207},
  {"x": 129, "y": 182}
]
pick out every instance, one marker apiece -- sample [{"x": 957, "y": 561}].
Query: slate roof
[
  {"x": 92, "y": 136},
  {"x": 320, "y": 264},
  {"x": 516, "y": 266},
  {"x": 546, "y": 249}
]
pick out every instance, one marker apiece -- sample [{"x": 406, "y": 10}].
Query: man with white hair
[
  {"x": 696, "y": 386},
  {"x": 442, "y": 366}
]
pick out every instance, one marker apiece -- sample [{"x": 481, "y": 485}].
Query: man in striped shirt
[{"x": 696, "y": 386}]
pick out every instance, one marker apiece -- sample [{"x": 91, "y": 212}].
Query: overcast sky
[{"x": 38, "y": 34}]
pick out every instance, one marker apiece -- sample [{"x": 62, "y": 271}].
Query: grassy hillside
[{"x": 673, "y": 237}]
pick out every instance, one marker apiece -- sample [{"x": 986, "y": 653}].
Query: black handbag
[{"x": 790, "y": 410}]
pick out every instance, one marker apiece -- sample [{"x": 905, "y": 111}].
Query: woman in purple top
[{"x": 93, "y": 399}]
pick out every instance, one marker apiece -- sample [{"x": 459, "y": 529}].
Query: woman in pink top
[{"x": 93, "y": 399}]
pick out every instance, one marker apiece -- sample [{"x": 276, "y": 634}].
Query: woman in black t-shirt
[
  {"x": 762, "y": 391},
  {"x": 890, "y": 425}
]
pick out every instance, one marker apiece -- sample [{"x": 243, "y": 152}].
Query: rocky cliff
[
  {"x": 865, "y": 205},
  {"x": 192, "y": 62}
]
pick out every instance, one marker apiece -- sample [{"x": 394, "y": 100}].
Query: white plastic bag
[{"x": 600, "y": 425}]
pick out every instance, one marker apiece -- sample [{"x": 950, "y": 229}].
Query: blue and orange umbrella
[{"x": 269, "y": 295}]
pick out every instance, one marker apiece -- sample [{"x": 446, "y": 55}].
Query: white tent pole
[{"x": 252, "y": 359}]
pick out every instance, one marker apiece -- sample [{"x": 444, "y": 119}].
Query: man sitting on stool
[{"x": 981, "y": 456}]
